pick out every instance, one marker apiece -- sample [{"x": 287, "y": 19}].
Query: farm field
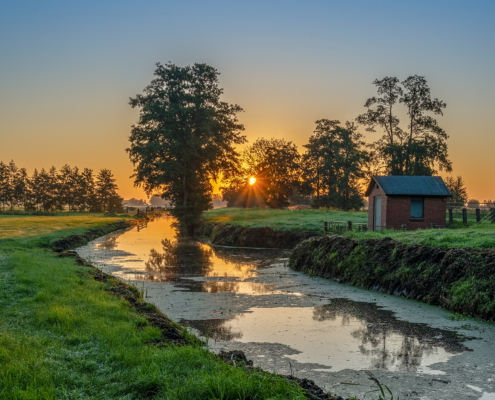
[
  {"x": 476, "y": 236},
  {"x": 64, "y": 336},
  {"x": 299, "y": 220}
]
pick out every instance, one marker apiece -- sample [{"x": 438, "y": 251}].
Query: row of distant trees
[{"x": 76, "y": 189}]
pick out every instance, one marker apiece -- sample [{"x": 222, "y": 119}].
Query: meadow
[
  {"x": 62, "y": 335},
  {"x": 480, "y": 236},
  {"x": 299, "y": 220}
]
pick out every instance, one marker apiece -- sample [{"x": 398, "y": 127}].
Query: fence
[
  {"x": 478, "y": 213},
  {"x": 341, "y": 226}
]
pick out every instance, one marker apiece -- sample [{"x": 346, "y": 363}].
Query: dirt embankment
[
  {"x": 231, "y": 235},
  {"x": 462, "y": 280},
  {"x": 73, "y": 241}
]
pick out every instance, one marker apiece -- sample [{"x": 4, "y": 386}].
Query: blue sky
[{"x": 67, "y": 70}]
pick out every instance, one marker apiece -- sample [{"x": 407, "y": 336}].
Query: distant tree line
[{"x": 55, "y": 190}]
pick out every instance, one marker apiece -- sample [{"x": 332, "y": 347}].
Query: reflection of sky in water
[
  {"x": 154, "y": 254},
  {"x": 343, "y": 334}
]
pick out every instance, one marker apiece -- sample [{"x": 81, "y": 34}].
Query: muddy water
[{"x": 287, "y": 322}]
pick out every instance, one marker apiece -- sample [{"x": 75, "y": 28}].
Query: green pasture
[
  {"x": 480, "y": 236},
  {"x": 475, "y": 236},
  {"x": 63, "y": 336},
  {"x": 299, "y": 220}
]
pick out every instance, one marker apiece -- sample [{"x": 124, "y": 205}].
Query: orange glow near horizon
[{"x": 252, "y": 180}]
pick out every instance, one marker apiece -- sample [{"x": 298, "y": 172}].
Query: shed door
[{"x": 377, "y": 214}]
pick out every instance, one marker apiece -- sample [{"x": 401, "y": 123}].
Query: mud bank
[
  {"x": 462, "y": 280},
  {"x": 231, "y": 235},
  {"x": 73, "y": 241}
]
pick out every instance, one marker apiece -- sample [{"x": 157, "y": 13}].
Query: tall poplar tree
[{"x": 184, "y": 138}]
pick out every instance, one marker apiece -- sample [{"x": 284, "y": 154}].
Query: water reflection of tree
[
  {"x": 179, "y": 257},
  {"x": 380, "y": 327},
  {"x": 216, "y": 329},
  {"x": 110, "y": 243},
  {"x": 184, "y": 257}
]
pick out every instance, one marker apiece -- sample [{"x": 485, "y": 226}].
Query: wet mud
[{"x": 462, "y": 280}]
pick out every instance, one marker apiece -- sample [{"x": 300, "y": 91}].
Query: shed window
[{"x": 417, "y": 207}]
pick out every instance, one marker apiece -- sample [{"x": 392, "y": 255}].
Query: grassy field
[
  {"x": 477, "y": 236},
  {"x": 63, "y": 336},
  {"x": 299, "y": 220}
]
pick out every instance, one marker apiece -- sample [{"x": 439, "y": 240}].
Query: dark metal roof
[{"x": 396, "y": 185}]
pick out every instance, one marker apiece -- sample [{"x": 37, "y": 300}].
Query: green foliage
[
  {"x": 184, "y": 138},
  {"x": 51, "y": 191},
  {"x": 332, "y": 165}
]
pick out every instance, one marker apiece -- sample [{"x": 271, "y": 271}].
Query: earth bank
[{"x": 462, "y": 280}]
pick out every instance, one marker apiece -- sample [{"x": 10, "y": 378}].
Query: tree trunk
[{"x": 184, "y": 190}]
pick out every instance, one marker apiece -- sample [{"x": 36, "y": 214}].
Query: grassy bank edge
[{"x": 460, "y": 280}]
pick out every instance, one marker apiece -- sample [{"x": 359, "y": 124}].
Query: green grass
[
  {"x": 63, "y": 336},
  {"x": 299, "y": 220},
  {"x": 476, "y": 236}
]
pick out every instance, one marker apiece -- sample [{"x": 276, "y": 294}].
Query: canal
[{"x": 290, "y": 323}]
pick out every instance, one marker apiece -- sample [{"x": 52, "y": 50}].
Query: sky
[{"x": 67, "y": 70}]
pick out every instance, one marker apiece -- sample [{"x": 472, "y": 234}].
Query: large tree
[
  {"x": 184, "y": 138},
  {"x": 274, "y": 163},
  {"x": 333, "y": 165},
  {"x": 421, "y": 147}
]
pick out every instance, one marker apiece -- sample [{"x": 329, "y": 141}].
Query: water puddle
[{"x": 343, "y": 334}]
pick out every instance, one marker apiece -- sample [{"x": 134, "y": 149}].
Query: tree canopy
[
  {"x": 274, "y": 163},
  {"x": 333, "y": 165},
  {"x": 52, "y": 190},
  {"x": 184, "y": 138},
  {"x": 421, "y": 146}
]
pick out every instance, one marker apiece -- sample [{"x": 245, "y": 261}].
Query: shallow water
[{"x": 248, "y": 299}]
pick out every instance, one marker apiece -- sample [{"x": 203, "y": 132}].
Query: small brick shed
[{"x": 407, "y": 202}]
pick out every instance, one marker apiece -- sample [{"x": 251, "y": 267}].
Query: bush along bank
[
  {"x": 238, "y": 236},
  {"x": 462, "y": 280}
]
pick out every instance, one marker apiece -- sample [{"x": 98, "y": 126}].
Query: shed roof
[{"x": 398, "y": 185}]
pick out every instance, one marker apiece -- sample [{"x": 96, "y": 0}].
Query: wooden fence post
[
  {"x": 451, "y": 216},
  {"x": 492, "y": 213},
  {"x": 464, "y": 217},
  {"x": 349, "y": 225},
  {"x": 478, "y": 215},
  {"x": 325, "y": 227}
]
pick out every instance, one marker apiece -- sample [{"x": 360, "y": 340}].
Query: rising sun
[{"x": 252, "y": 180}]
